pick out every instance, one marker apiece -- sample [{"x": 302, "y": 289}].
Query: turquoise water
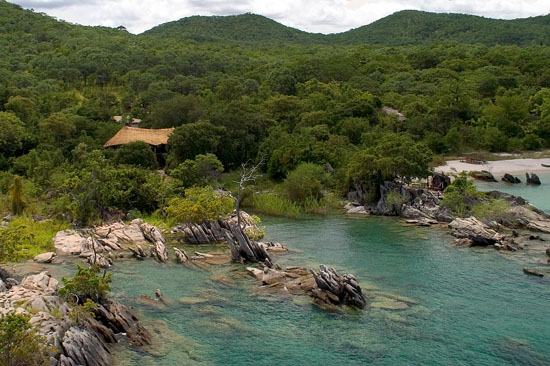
[
  {"x": 473, "y": 306},
  {"x": 536, "y": 195}
]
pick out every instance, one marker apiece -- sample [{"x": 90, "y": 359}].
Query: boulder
[
  {"x": 440, "y": 181},
  {"x": 483, "y": 175},
  {"x": 41, "y": 282},
  {"x": 44, "y": 257},
  {"x": 508, "y": 178},
  {"x": 70, "y": 242},
  {"x": 532, "y": 179}
]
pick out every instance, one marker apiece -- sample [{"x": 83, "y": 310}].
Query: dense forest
[
  {"x": 404, "y": 28},
  {"x": 313, "y": 110}
]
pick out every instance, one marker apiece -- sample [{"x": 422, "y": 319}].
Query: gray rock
[
  {"x": 44, "y": 257},
  {"x": 475, "y": 230}
]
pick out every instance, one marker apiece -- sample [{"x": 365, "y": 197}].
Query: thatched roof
[{"x": 131, "y": 134}]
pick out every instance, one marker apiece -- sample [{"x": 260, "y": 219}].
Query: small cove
[{"x": 474, "y": 306}]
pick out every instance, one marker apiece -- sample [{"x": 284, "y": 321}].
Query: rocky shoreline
[
  {"x": 87, "y": 341},
  {"x": 523, "y": 226},
  {"x": 91, "y": 342}
]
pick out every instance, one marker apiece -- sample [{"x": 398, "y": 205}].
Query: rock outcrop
[
  {"x": 244, "y": 249},
  {"x": 327, "y": 288},
  {"x": 508, "y": 178},
  {"x": 337, "y": 290},
  {"x": 99, "y": 244},
  {"x": 532, "y": 179},
  {"x": 86, "y": 343},
  {"x": 215, "y": 231},
  {"x": 483, "y": 175},
  {"x": 480, "y": 234}
]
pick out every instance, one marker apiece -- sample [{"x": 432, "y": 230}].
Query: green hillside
[
  {"x": 407, "y": 27},
  {"x": 244, "y": 27},
  {"x": 416, "y": 27}
]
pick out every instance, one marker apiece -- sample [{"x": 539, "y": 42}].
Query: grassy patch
[
  {"x": 28, "y": 238},
  {"x": 159, "y": 220},
  {"x": 494, "y": 210},
  {"x": 275, "y": 205}
]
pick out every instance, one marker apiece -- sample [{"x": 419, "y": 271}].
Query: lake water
[
  {"x": 473, "y": 306},
  {"x": 536, "y": 195}
]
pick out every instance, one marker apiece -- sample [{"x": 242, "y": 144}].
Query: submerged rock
[{"x": 533, "y": 272}]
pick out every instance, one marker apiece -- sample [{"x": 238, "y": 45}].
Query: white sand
[{"x": 498, "y": 167}]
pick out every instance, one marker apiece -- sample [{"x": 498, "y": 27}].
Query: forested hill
[
  {"x": 244, "y": 27},
  {"x": 411, "y": 27},
  {"x": 407, "y": 27}
]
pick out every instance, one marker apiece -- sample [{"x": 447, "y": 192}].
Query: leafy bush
[
  {"x": 12, "y": 241},
  {"x": 275, "y": 205},
  {"x": 138, "y": 154},
  {"x": 86, "y": 284},
  {"x": 454, "y": 201},
  {"x": 20, "y": 343},
  {"x": 305, "y": 182},
  {"x": 200, "y": 204},
  {"x": 200, "y": 171}
]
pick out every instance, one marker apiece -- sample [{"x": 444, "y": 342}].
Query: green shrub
[
  {"x": 86, "y": 284},
  {"x": 454, "y": 201},
  {"x": 493, "y": 210},
  {"x": 200, "y": 204},
  {"x": 138, "y": 154},
  {"x": 20, "y": 343},
  {"x": 200, "y": 171},
  {"x": 275, "y": 205},
  {"x": 305, "y": 182}
]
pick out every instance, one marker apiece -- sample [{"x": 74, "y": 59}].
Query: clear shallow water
[
  {"x": 474, "y": 306},
  {"x": 539, "y": 196}
]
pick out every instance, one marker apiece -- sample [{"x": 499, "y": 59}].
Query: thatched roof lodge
[{"x": 131, "y": 134}]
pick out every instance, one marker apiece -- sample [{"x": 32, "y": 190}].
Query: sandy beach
[{"x": 498, "y": 167}]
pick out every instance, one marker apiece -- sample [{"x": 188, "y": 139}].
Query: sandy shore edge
[{"x": 498, "y": 167}]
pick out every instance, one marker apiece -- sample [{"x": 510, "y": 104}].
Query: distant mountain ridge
[{"x": 407, "y": 27}]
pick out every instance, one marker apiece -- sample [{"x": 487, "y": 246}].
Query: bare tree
[{"x": 249, "y": 174}]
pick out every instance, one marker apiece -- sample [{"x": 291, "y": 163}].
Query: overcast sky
[{"x": 325, "y": 16}]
